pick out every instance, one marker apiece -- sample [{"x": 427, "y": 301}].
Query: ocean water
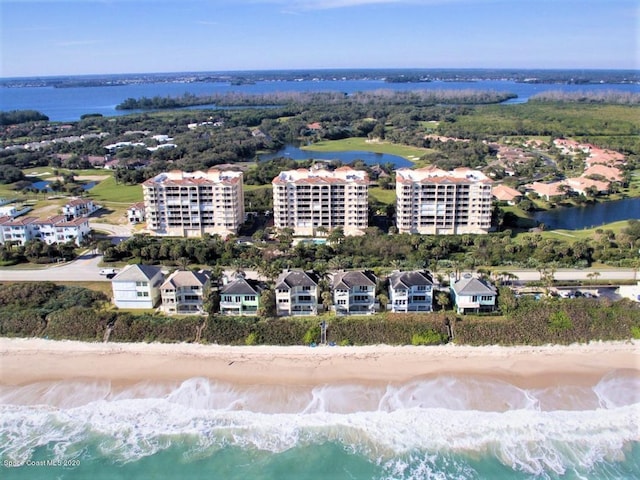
[{"x": 444, "y": 427}]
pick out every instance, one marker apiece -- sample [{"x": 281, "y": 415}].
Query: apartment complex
[
  {"x": 187, "y": 204},
  {"x": 56, "y": 229},
  {"x": 306, "y": 200},
  {"x": 438, "y": 202}
]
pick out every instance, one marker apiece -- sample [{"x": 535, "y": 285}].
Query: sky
[{"x": 75, "y": 37}]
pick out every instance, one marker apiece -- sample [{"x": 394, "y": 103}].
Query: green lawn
[
  {"x": 383, "y": 196},
  {"x": 361, "y": 144},
  {"x": 110, "y": 192},
  {"x": 584, "y": 234}
]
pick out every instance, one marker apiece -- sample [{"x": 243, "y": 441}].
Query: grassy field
[
  {"x": 361, "y": 144},
  {"x": 383, "y": 196},
  {"x": 111, "y": 192},
  {"x": 585, "y": 234}
]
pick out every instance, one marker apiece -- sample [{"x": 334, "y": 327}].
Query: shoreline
[{"x": 25, "y": 361}]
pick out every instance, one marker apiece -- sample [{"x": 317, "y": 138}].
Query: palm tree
[{"x": 443, "y": 300}]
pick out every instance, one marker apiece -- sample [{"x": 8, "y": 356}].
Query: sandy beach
[{"x": 24, "y": 361}]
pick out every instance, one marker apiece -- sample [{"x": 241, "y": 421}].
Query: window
[
  {"x": 142, "y": 284},
  {"x": 363, "y": 288},
  {"x": 486, "y": 298},
  {"x": 304, "y": 298},
  {"x": 142, "y": 294},
  {"x": 306, "y": 288},
  {"x": 250, "y": 298},
  {"x": 342, "y": 302},
  {"x": 226, "y": 298},
  {"x": 474, "y": 298}
]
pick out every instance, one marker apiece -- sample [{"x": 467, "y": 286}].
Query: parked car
[{"x": 108, "y": 271}]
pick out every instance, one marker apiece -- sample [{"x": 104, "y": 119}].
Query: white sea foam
[{"x": 437, "y": 415}]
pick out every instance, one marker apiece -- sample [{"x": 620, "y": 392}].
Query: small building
[
  {"x": 183, "y": 293},
  {"x": 472, "y": 295},
  {"x": 240, "y": 296},
  {"x": 503, "y": 193},
  {"x": 547, "y": 190},
  {"x": 354, "y": 292},
  {"x": 137, "y": 286},
  {"x": 410, "y": 292},
  {"x": 79, "y": 207},
  {"x": 582, "y": 185},
  {"x": 136, "y": 213},
  {"x": 297, "y": 293}
]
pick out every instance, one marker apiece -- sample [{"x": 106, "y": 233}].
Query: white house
[
  {"x": 410, "y": 292},
  {"x": 18, "y": 230},
  {"x": 137, "y": 286},
  {"x": 58, "y": 229},
  {"x": 472, "y": 295},
  {"x": 79, "y": 207},
  {"x": 354, "y": 292},
  {"x": 136, "y": 213},
  {"x": 184, "y": 291},
  {"x": 297, "y": 293}
]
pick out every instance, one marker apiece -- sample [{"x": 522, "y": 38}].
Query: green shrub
[
  {"x": 635, "y": 332},
  {"x": 312, "y": 335},
  {"x": 252, "y": 339},
  {"x": 430, "y": 337}
]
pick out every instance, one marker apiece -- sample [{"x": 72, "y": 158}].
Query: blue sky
[{"x": 60, "y": 37}]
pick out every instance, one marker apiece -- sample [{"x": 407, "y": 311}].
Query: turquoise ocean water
[{"x": 445, "y": 427}]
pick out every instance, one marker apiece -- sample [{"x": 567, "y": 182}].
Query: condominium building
[
  {"x": 191, "y": 204},
  {"x": 438, "y": 202},
  {"x": 306, "y": 200}
]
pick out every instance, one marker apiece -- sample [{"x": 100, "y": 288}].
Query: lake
[
  {"x": 593, "y": 215},
  {"x": 69, "y": 104},
  {"x": 370, "y": 158}
]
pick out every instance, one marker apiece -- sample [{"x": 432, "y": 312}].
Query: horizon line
[{"x": 329, "y": 69}]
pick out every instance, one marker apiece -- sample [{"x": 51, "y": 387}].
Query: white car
[{"x": 108, "y": 271}]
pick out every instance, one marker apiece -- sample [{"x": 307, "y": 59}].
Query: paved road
[{"x": 83, "y": 269}]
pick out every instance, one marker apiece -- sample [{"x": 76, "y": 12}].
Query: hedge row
[{"x": 555, "y": 321}]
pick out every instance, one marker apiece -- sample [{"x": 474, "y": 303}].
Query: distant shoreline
[
  {"x": 387, "y": 75},
  {"x": 25, "y": 361}
]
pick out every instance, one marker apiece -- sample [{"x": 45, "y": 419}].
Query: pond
[
  {"x": 43, "y": 185},
  {"x": 589, "y": 216},
  {"x": 370, "y": 158}
]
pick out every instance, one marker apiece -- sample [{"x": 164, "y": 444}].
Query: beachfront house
[
  {"x": 472, "y": 295},
  {"x": 297, "y": 293},
  {"x": 183, "y": 293},
  {"x": 137, "y": 286},
  {"x": 410, "y": 292},
  {"x": 239, "y": 296},
  {"x": 354, "y": 292}
]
